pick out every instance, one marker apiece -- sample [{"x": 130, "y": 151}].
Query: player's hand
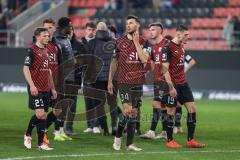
[
  {"x": 54, "y": 94},
  {"x": 173, "y": 93},
  {"x": 136, "y": 37},
  {"x": 33, "y": 90},
  {"x": 110, "y": 87}
]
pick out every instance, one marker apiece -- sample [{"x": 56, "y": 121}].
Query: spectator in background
[
  {"x": 236, "y": 29},
  {"x": 228, "y": 31},
  {"x": 92, "y": 124},
  {"x": 166, "y": 4},
  {"x": 23, "y": 4},
  {"x": 78, "y": 49},
  {"x": 102, "y": 47},
  {"x": 12, "y": 5},
  {"x": 3, "y": 26},
  {"x": 110, "y": 5},
  {"x": 156, "y": 4},
  {"x": 113, "y": 31}
]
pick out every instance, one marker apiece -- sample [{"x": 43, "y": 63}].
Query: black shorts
[
  {"x": 130, "y": 92},
  {"x": 184, "y": 93},
  {"x": 160, "y": 89},
  {"x": 41, "y": 101}
]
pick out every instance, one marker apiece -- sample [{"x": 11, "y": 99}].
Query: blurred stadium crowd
[{"x": 214, "y": 24}]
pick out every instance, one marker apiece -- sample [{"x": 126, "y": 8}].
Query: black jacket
[
  {"x": 102, "y": 47},
  {"x": 66, "y": 57},
  {"x": 78, "y": 50}
]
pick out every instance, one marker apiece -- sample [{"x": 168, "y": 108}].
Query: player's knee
[
  {"x": 41, "y": 114},
  {"x": 171, "y": 111},
  {"x": 156, "y": 104},
  {"x": 57, "y": 112},
  {"x": 127, "y": 109},
  {"x": 137, "y": 103},
  {"x": 191, "y": 108}
]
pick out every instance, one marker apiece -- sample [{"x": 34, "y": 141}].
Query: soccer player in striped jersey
[
  {"x": 173, "y": 55},
  {"x": 40, "y": 83},
  {"x": 159, "y": 109},
  {"x": 131, "y": 55}
]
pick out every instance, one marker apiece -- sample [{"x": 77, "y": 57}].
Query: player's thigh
[
  {"x": 136, "y": 94},
  {"x": 38, "y": 102},
  {"x": 184, "y": 94},
  {"x": 156, "y": 104},
  {"x": 127, "y": 108},
  {"x": 171, "y": 110},
  {"x": 125, "y": 93}
]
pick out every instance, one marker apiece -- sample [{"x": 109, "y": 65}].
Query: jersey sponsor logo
[
  {"x": 160, "y": 49},
  {"x": 133, "y": 56},
  {"x": 45, "y": 64},
  {"x": 52, "y": 57}
]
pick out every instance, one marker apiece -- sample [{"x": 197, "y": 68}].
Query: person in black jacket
[
  {"x": 66, "y": 78},
  {"x": 78, "y": 49},
  {"x": 92, "y": 123},
  {"x": 102, "y": 47}
]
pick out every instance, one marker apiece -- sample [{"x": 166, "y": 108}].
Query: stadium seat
[{"x": 234, "y": 3}]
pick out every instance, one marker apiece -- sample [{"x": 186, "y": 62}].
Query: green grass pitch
[{"x": 218, "y": 127}]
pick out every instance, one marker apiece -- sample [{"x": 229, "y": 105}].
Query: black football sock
[
  {"x": 191, "y": 124},
  {"x": 178, "y": 117},
  {"x": 137, "y": 121},
  {"x": 114, "y": 115},
  {"x": 164, "y": 119},
  {"x": 32, "y": 123},
  {"x": 121, "y": 125},
  {"x": 170, "y": 119},
  {"x": 50, "y": 119},
  {"x": 155, "y": 118},
  {"x": 58, "y": 123},
  {"x": 40, "y": 130},
  {"x": 130, "y": 131}
]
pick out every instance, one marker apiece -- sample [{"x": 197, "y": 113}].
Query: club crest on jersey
[
  {"x": 45, "y": 64},
  {"x": 27, "y": 60},
  {"x": 149, "y": 49}
]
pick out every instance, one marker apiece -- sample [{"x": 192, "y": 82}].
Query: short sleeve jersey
[
  {"x": 175, "y": 55},
  {"x": 37, "y": 59},
  {"x": 130, "y": 68},
  {"x": 156, "y": 57}
]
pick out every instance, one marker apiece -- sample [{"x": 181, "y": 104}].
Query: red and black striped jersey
[
  {"x": 175, "y": 55},
  {"x": 130, "y": 68},
  {"x": 156, "y": 57},
  {"x": 37, "y": 60}
]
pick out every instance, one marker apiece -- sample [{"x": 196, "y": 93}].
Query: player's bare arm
[
  {"x": 165, "y": 72},
  {"x": 190, "y": 65},
  {"x": 29, "y": 80},
  {"x": 53, "y": 91},
  {"x": 112, "y": 71}
]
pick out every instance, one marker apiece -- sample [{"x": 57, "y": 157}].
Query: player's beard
[{"x": 131, "y": 32}]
